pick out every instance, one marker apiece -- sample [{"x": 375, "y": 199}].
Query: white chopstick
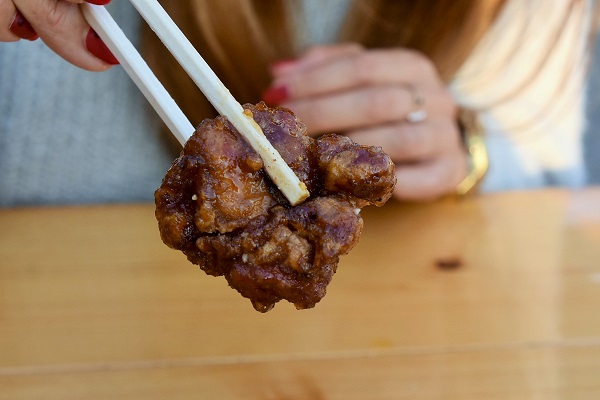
[
  {"x": 102, "y": 22},
  {"x": 135, "y": 66}
]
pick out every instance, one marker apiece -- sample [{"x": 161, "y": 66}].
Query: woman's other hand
[
  {"x": 389, "y": 98},
  {"x": 61, "y": 25}
]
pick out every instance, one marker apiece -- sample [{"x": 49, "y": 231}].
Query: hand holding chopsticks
[{"x": 183, "y": 51}]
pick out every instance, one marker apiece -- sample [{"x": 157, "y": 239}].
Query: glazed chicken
[{"x": 218, "y": 206}]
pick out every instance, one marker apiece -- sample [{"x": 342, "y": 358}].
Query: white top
[
  {"x": 534, "y": 138},
  {"x": 70, "y": 136}
]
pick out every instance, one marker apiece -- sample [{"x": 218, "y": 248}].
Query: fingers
[
  {"x": 429, "y": 156},
  {"x": 339, "y": 88},
  {"x": 362, "y": 107},
  {"x": 62, "y": 27},
  {"x": 409, "y": 143},
  {"x": 428, "y": 181},
  {"x": 18, "y": 26},
  {"x": 352, "y": 109},
  {"x": 9, "y": 21},
  {"x": 348, "y": 68},
  {"x": 285, "y": 70},
  {"x": 314, "y": 56}
]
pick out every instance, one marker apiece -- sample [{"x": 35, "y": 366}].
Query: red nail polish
[
  {"x": 22, "y": 28},
  {"x": 98, "y": 2},
  {"x": 96, "y": 46},
  {"x": 275, "y": 95}
]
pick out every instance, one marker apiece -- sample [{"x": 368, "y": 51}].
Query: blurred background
[{"x": 592, "y": 135}]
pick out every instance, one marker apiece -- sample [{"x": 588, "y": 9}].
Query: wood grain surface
[{"x": 493, "y": 297}]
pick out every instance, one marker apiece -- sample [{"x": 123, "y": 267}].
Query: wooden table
[{"x": 490, "y": 298}]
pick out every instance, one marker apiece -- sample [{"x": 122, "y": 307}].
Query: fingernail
[
  {"x": 96, "y": 46},
  {"x": 22, "y": 28},
  {"x": 98, "y": 2},
  {"x": 275, "y": 95}
]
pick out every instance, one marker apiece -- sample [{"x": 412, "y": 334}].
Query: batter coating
[{"x": 218, "y": 206}]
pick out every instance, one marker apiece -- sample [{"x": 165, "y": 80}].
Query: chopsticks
[
  {"x": 137, "y": 69},
  {"x": 207, "y": 81}
]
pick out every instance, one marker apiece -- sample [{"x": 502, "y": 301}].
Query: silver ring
[{"x": 418, "y": 114}]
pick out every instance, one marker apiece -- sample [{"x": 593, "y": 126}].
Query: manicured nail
[
  {"x": 98, "y": 2},
  {"x": 96, "y": 46},
  {"x": 22, "y": 28},
  {"x": 275, "y": 95}
]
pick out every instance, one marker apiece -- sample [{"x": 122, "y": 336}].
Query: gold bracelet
[{"x": 472, "y": 132}]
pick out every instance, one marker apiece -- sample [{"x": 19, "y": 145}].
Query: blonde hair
[
  {"x": 237, "y": 38},
  {"x": 240, "y": 38}
]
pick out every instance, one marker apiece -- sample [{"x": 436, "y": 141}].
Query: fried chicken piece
[{"x": 218, "y": 206}]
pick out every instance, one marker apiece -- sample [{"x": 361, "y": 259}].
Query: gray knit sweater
[{"x": 83, "y": 137}]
